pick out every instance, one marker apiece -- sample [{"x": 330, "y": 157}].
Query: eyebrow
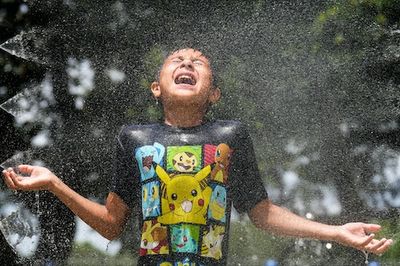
[{"x": 191, "y": 58}]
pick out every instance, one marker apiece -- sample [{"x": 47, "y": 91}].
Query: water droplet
[
  {"x": 37, "y": 203},
  {"x": 366, "y": 254},
  {"x": 108, "y": 245},
  {"x": 27, "y": 45}
]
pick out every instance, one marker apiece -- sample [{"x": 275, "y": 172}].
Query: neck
[{"x": 183, "y": 116}]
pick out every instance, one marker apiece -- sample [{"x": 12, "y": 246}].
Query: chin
[
  {"x": 185, "y": 91},
  {"x": 184, "y": 87},
  {"x": 185, "y": 99}
]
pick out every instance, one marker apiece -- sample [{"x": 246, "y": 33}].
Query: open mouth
[
  {"x": 184, "y": 239},
  {"x": 185, "y": 167},
  {"x": 185, "y": 78},
  {"x": 187, "y": 206}
]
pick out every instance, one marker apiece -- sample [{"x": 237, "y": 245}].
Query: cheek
[
  {"x": 201, "y": 202},
  {"x": 165, "y": 82},
  {"x": 207, "y": 77}
]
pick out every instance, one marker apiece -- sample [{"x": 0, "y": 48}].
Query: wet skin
[{"x": 185, "y": 88}]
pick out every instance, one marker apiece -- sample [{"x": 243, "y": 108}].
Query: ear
[
  {"x": 203, "y": 173},
  {"x": 215, "y": 94},
  {"x": 160, "y": 148},
  {"x": 155, "y": 89},
  {"x": 162, "y": 174}
]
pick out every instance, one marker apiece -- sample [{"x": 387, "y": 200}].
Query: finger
[
  {"x": 22, "y": 183},
  {"x": 375, "y": 245},
  {"x": 7, "y": 179},
  {"x": 17, "y": 180},
  {"x": 384, "y": 247},
  {"x": 13, "y": 175},
  {"x": 26, "y": 169},
  {"x": 371, "y": 228},
  {"x": 366, "y": 240},
  {"x": 11, "y": 171}
]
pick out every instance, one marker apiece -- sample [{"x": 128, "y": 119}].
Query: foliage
[
  {"x": 369, "y": 20},
  {"x": 85, "y": 254}
]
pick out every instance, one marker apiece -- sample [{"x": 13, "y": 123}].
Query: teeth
[{"x": 186, "y": 79}]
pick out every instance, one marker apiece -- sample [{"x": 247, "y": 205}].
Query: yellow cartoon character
[
  {"x": 184, "y": 161},
  {"x": 222, "y": 157},
  {"x": 154, "y": 239},
  {"x": 185, "y": 197},
  {"x": 165, "y": 264},
  {"x": 212, "y": 241}
]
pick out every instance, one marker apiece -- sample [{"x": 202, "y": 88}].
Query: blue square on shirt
[
  {"x": 151, "y": 199},
  {"x": 217, "y": 206}
]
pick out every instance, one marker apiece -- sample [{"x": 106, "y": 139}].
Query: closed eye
[
  {"x": 198, "y": 62},
  {"x": 177, "y": 59}
]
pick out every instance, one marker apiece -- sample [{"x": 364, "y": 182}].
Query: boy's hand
[
  {"x": 360, "y": 236},
  {"x": 31, "y": 178}
]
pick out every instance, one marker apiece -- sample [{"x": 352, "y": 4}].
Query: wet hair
[{"x": 178, "y": 48}]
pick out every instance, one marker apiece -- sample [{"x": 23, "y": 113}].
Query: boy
[{"x": 184, "y": 175}]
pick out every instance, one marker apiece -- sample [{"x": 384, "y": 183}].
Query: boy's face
[{"x": 185, "y": 77}]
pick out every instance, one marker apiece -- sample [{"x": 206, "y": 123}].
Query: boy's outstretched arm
[
  {"x": 267, "y": 216},
  {"x": 108, "y": 220}
]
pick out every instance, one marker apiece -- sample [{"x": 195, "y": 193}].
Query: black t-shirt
[{"x": 184, "y": 181}]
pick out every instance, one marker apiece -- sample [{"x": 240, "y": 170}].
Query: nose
[{"x": 187, "y": 63}]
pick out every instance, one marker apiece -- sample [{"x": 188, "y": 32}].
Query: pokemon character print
[
  {"x": 182, "y": 184},
  {"x": 184, "y": 159},
  {"x": 146, "y": 156},
  {"x": 185, "y": 238},
  {"x": 217, "y": 204},
  {"x": 151, "y": 199},
  {"x": 154, "y": 239},
  {"x": 212, "y": 242},
  {"x": 185, "y": 262},
  {"x": 222, "y": 158},
  {"x": 185, "y": 197}
]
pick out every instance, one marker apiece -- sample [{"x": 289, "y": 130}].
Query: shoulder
[
  {"x": 234, "y": 124},
  {"x": 136, "y": 131},
  {"x": 125, "y": 129},
  {"x": 231, "y": 125}
]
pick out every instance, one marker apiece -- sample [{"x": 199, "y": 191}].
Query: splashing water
[
  {"x": 27, "y": 45},
  {"x": 17, "y": 224},
  {"x": 29, "y": 105},
  {"x": 20, "y": 224},
  {"x": 366, "y": 254},
  {"x": 108, "y": 245},
  {"x": 23, "y": 158}
]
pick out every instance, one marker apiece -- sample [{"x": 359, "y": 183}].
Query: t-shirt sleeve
[
  {"x": 246, "y": 183},
  {"x": 123, "y": 175}
]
